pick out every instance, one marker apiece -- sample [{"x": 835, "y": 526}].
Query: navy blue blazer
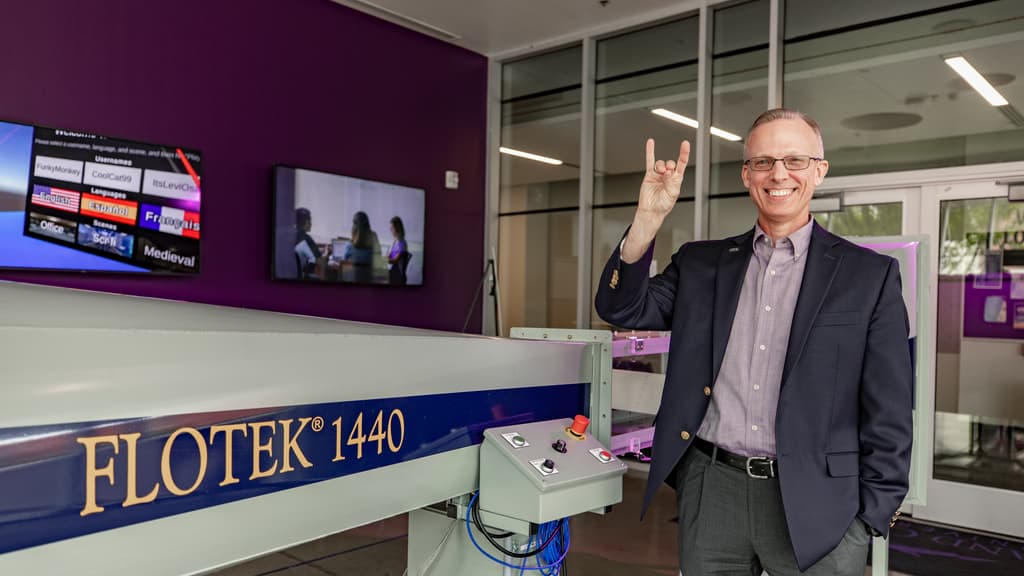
[{"x": 844, "y": 423}]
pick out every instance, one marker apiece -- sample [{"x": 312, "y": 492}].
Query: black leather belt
[{"x": 761, "y": 468}]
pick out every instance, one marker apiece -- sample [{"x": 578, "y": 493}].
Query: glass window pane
[
  {"x": 979, "y": 402},
  {"x": 739, "y": 87},
  {"x": 611, "y": 223},
  {"x": 805, "y": 17},
  {"x": 975, "y": 232},
  {"x": 547, "y": 125},
  {"x": 542, "y": 73},
  {"x": 864, "y": 220},
  {"x": 730, "y": 216},
  {"x": 638, "y": 73},
  {"x": 669, "y": 45},
  {"x": 538, "y": 252},
  {"x": 537, "y": 269},
  {"x": 741, "y": 27},
  {"x": 887, "y": 101},
  {"x": 630, "y": 87}
]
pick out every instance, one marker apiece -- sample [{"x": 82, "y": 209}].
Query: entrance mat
[{"x": 924, "y": 549}]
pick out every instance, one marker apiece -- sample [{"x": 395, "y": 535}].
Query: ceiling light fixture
[
  {"x": 675, "y": 117},
  {"x": 726, "y": 135},
  {"x": 694, "y": 124},
  {"x": 530, "y": 156},
  {"x": 976, "y": 80}
]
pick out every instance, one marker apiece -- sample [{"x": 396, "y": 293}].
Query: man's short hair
[{"x": 786, "y": 114}]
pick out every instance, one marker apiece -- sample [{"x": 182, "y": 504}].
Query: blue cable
[
  {"x": 544, "y": 554},
  {"x": 522, "y": 569},
  {"x": 550, "y": 555}
]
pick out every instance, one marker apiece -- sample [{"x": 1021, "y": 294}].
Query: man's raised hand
[{"x": 662, "y": 182}]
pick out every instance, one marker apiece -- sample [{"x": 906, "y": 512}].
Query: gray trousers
[{"x": 731, "y": 524}]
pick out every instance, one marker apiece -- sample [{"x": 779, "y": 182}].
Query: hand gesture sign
[
  {"x": 662, "y": 181},
  {"x": 658, "y": 194}
]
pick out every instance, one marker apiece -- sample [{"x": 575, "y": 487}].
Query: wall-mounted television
[
  {"x": 334, "y": 228},
  {"x": 79, "y": 201}
]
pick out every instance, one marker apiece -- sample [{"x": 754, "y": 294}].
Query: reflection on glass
[
  {"x": 864, "y": 220},
  {"x": 644, "y": 70},
  {"x": 979, "y": 400},
  {"x": 739, "y": 85},
  {"x": 537, "y": 269},
  {"x": 730, "y": 216},
  {"x": 609, "y": 226},
  {"x": 540, "y": 115},
  {"x": 537, "y": 235},
  {"x": 556, "y": 71},
  {"x": 804, "y": 17},
  {"x": 887, "y": 101}
]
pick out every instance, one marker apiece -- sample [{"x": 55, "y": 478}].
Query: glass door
[
  {"x": 978, "y": 460},
  {"x": 874, "y": 213}
]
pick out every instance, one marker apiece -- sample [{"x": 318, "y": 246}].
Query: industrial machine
[{"x": 141, "y": 436}]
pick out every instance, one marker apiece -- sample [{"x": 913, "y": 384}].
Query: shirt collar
[{"x": 800, "y": 238}]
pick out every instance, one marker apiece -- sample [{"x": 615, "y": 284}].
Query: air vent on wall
[{"x": 400, "y": 19}]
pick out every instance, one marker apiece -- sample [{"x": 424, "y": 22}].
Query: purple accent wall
[{"x": 308, "y": 83}]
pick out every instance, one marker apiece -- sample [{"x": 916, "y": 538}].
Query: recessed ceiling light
[
  {"x": 996, "y": 79},
  {"x": 530, "y": 156},
  {"x": 686, "y": 120},
  {"x": 976, "y": 80},
  {"x": 726, "y": 135},
  {"x": 675, "y": 117}
]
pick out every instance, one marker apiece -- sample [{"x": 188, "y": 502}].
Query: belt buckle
[{"x": 750, "y": 471}]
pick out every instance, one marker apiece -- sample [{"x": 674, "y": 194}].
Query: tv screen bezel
[
  {"x": 156, "y": 272},
  {"x": 273, "y": 226}
]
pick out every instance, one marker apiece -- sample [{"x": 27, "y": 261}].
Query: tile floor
[{"x": 614, "y": 544}]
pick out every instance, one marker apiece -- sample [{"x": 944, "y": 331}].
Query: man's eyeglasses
[{"x": 765, "y": 163}]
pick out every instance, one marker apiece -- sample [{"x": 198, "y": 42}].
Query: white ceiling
[
  {"x": 890, "y": 68},
  {"x": 497, "y": 28}
]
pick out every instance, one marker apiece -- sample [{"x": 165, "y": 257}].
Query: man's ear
[
  {"x": 745, "y": 175},
  {"x": 820, "y": 171}
]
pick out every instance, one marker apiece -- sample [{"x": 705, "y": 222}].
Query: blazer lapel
[
  {"x": 732, "y": 267},
  {"x": 823, "y": 257}
]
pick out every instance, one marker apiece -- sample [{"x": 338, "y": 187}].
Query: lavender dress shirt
[{"x": 741, "y": 416}]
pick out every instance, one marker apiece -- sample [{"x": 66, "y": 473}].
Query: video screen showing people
[
  {"x": 333, "y": 228},
  {"x": 84, "y": 202}
]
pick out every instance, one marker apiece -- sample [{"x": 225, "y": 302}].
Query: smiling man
[{"x": 785, "y": 422}]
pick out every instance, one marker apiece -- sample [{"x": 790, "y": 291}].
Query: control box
[{"x": 544, "y": 471}]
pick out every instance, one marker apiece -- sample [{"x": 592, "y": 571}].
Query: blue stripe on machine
[{"x": 67, "y": 480}]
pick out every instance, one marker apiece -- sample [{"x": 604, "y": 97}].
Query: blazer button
[
  {"x": 684, "y": 435},
  {"x": 707, "y": 391}
]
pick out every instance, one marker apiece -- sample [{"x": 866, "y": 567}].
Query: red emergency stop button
[{"x": 579, "y": 426}]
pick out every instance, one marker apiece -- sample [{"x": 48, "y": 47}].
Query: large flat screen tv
[
  {"x": 84, "y": 202},
  {"x": 334, "y": 228}
]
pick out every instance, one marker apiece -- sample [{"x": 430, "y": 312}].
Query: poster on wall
[
  {"x": 994, "y": 297},
  {"x": 994, "y": 308}
]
